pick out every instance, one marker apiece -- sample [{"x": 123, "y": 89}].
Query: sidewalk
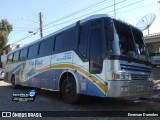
[{"x": 2, "y": 83}]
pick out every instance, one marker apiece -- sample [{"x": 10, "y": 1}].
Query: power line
[
  {"x": 62, "y": 8},
  {"x": 140, "y": 7},
  {"x": 57, "y": 28},
  {"x": 128, "y": 5},
  {"x": 96, "y": 11},
  {"x": 22, "y": 27},
  {"x": 25, "y": 37},
  {"x": 19, "y": 30},
  {"x": 87, "y": 14},
  {"x": 75, "y": 13}
]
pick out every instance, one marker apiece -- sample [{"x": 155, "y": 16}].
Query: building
[
  {"x": 5, "y": 51},
  {"x": 153, "y": 44},
  {"x": 9, "y": 48}
]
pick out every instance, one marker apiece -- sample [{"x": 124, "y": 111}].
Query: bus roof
[
  {"x": 69, "y": 26},
  {"x": 63, "y": 29}
]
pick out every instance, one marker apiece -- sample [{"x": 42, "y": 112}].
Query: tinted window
[
  {"x": 9, "y": 59},
  {"x": 23, "y": 54},
  {"x": 42, "y": 48},
  {"x": 59, "y": 42},
  {"x": 16, "y": 56},
  {"x": 49, "y": 46},
  {"x": 33, "y": 51},
  {"x": 96, "y": 51},
  {"x": 46, "y": 47},
  {"x": 30, "y": 52},
  {"x": 82, "y": 45},
  {"x": 65, "y": 41},
  {"x": 69, "y": 37}
]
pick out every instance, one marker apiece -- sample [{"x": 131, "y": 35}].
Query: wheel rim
[
  {"x": 13, "y": 81},
  {"x": 69, "y": 89}
]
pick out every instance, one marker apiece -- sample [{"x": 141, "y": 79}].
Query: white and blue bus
[{"x": 96, "y": 56}]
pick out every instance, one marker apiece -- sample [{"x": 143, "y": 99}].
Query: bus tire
[
  {"x": 13, "y": 81},
  {"x": 68, "y": 91}
]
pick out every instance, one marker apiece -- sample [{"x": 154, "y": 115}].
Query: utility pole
[
  {"x": 40, "y": 24},
  {"x": 114, "y": 8},
  {"x": 158, "y": 2}
]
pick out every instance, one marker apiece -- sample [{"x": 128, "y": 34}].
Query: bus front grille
[{"x": 139, "y": 77}]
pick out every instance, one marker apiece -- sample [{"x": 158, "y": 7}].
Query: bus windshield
[{"x": 127, "y": 42}]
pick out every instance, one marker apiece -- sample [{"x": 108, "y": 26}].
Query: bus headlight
[
  {"x": 116, "y": 76},
  {"x": 119, "y": 76}
]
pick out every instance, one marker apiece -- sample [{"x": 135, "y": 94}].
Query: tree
[{"x": 5, "y": 29}]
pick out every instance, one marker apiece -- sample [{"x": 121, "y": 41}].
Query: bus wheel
[
  {"x": 68, "y": 91},
  {"x": 13, "y": 81}
]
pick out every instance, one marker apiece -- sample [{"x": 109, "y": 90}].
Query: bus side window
[
  {"x": 83, "y": 40},
  {"x": 65, "y": 40},
  {"x": 16, "y": 56},
  {"x": 41, "y": 48},
  {"x": 23, "y": 54},
  {"x": 20, "y": 56},
  {"x": 10, "y": 57},
  {"x": 33, "y": 51},
  {"x": 59, "y": 42},
  {"x": 46, "y": 47},
  {"x": 30, "y": 52},
  {"x": 69, "y": 38},
  {"x": 49, "y": 46}
]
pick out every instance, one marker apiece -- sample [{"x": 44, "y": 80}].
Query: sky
[{"x": 56, "y": 14}]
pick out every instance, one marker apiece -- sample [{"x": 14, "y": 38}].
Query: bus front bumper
[{"x": 130, "y": 88}]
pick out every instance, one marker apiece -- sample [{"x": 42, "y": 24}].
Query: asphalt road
[{"x": 51, "y": 101}]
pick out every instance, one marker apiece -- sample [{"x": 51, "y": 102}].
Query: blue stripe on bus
[
  {"x": 43, "y": 80},
  {"x": 135, "y": 68}
]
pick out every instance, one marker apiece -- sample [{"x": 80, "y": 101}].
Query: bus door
[
  {"x": 90, "y": 52},
  {"x": 96, "y": 55}
]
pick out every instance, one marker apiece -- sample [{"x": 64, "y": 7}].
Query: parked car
[
  {"x": 2, "y": 73},
  {"x": 156, "y": 84}
]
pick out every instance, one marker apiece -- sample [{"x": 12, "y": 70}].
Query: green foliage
[{"x": 5, "y": 29}]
